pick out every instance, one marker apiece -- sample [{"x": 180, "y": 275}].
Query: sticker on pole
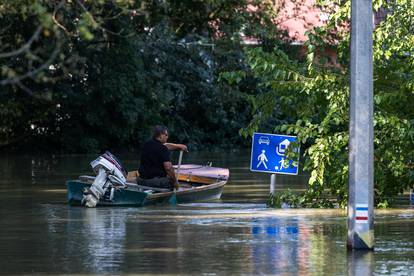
[
  {"x": 269, "y": 154},
  {"x": 361, "y": 213}
]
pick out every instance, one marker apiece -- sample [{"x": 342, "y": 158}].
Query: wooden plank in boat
[
  {"x": 193, "y": 173},
  {"x": 204, "y": 171}
]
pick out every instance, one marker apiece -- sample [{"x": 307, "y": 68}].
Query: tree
[
  {"x": 93, "y": 75},
  {"x": 311, "y": 100},
  {"x": 42, "y": 46}
]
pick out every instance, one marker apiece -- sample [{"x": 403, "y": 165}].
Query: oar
[{"x": 173, "y": 198}]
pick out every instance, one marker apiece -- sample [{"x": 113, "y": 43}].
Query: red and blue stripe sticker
[{"x": 361, "y": 213}]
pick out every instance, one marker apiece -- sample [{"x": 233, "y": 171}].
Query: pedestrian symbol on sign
[{"x": 262, "y": 158}]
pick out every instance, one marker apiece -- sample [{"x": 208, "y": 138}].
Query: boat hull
[
  {"x": 121, "y": 197},
  {"x": 134, "y": 197}
]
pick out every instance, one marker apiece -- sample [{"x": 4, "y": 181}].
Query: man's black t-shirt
[{"x": 153, "y": 156}]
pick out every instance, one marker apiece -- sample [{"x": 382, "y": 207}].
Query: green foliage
[
  {"x": 313, "y": 99},
  {"x": 283, "y": 199},
  {"x": 289, "y": 199},
  {"x": 84, "y": 76}
]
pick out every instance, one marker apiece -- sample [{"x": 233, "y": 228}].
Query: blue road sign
[{"x": 269, "y": 154}]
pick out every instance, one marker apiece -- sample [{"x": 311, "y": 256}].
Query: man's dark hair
[{"x": 158, "y": 130}]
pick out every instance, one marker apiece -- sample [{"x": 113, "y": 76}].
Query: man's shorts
[{"x": 157, "y": 182}]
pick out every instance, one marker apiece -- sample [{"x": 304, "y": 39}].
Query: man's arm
[
  {"x": 171, "y": 173},
  {"x": 172, "y": 146}
]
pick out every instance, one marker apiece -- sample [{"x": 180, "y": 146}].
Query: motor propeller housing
[{"x": 109, "y": 174}]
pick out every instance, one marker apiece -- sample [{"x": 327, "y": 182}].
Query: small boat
[{"x": 197, "y": 183}]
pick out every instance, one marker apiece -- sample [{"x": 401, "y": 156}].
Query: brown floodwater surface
[{"x": 237, "y": 235}]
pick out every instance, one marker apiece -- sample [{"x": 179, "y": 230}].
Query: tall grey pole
[{"x": 361, "y": 145}]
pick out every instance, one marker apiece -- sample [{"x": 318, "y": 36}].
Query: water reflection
[
  {"x": 360, "y": 262},
  {"x": 273, "y": 250},
  {"x": 298, "y": 246},
  {"x": 101, "y": 235},
  {"x": 216, "y": 238},
  {"x": 41, "y": 234},
  {"x": 91, "y": 240}
]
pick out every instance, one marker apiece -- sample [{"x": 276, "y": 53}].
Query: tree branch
[
  {"x": 58, "y": 7},
  {"x": 32, "y": 73},
  {"x": 100, "y": 25},
  {"x": 25, "y": 47}
]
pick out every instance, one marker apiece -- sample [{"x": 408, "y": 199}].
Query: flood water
[{"x": 237, "y": 235}]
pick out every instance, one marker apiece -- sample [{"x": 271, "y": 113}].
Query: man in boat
[{"x": 156, "y": 169}]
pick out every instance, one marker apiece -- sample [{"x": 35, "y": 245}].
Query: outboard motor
[{"x": 109, "y": 174}]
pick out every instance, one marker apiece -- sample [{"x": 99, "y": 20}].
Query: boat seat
[{"x": 134, "y": 186}]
